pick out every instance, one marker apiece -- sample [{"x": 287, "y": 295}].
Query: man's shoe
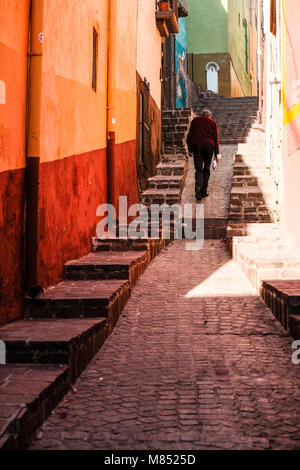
[
  {"x": 198, "y": 195},
  {"x": 204, "y": 195}
]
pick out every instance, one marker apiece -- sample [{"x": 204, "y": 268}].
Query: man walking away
[{"x": 203, "y": 141}]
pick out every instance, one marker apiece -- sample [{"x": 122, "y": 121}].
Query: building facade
[
  {"x": 80, "y": 125},
  {"x": 280, "y": 106},
  {"x": 221, "y": 46}
]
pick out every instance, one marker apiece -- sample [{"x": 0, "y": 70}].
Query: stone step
[
  {"x": 252, "y": 192},
  {"x": 73, "y": 342},
  {"x": 151, "y": 245},
  {"x": 269, "y": 265},
  {"x": 214, "y": 227},
  {"x": 108, "y": 265},
  {"x": 231, "y": 141},
  {"x": 244, "y": 180},
  {"x": 259, "y": 217},
  {"x": 254, "y": 158},
  {"x": 161, "y": 196},
  {"x": 165, "y": 182},
  {"x": 171, "y": 169},
  {"x": 28, "y": 395},
  {"x": 283, "y": 298},
  {"x": 81, "y": 299},
  {"x": 253, "y": 232},
  {"x": 252, "y": 149},
  {"x": 244, "y": 170}
]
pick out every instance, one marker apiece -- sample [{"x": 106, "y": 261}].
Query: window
[
  {"x": 212, "y": 77},
  {"x": 95, "y": 60}
]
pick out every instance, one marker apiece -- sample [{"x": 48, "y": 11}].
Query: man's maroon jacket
[{"x": 203, "y": 131}]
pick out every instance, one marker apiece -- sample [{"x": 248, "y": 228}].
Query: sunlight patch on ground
[{"x": 227, "y": 281}]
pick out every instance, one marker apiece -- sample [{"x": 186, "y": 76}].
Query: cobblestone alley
[{"x": 197, "y": 361}]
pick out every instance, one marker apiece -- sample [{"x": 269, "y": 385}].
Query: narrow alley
[
  {"x": 197, "y": 361},
  {"x": 149, "y": 229}
]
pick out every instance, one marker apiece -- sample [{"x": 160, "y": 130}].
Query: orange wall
[
  {"x": 13, "y": 63},
  {"x": 73, "y": 157},
  {"x": 13, "y": 74},
  {"x": 73, "y": 115},
  {"x": 73, "y": 173},
  {"x": 122, "y": 100},
  {"x": 149, "y": 48}
]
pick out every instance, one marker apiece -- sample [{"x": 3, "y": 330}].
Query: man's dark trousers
[{"x": 202, "y": 159}]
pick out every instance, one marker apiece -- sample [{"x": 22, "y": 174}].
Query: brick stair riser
[
  {"x": 166, "y": 185},
  {"x": 93, "y": 272},
  {"x": 120, "y": 245},
  {"x": 244, "y": 183},
  {"x": 214, "y": 228},
  {"x": 247, "y": 158},
  {"x": 237, "y": 171},
  {"x": 77, "y": 273},
  {"x": 153, "y": 247},
  {"x": 29, "y": 420},
  {"x": 66, "y": 308},
  {"x": 259, "y": 272},
  {"x": 76, "y": 354},
  {"x": 285, "y": 309},
  {"x": 74, "y": 308},
  {"x": 161, "y": 199},
  {"x": 170, "y": 171}
]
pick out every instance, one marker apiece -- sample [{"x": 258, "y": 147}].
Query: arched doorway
[{"x": 212, "y": 77}]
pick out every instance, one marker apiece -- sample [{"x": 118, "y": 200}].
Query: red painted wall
[
  {"x": 73, "y": 155},
  {"x": 11, "y": 245},
  {"x": 13, "y": 77},
  {"x": 123, "y": 174},
  {"x": 71, "y": 189}
]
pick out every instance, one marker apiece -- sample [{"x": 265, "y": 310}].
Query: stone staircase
[
  {"x": 254, "y": 237},
  {"x": 64, "y": 329},
  {"x": 175, "y": 126},
  {"x": 60, "y": 334},
  {"x": 234, "y": 116},
  {"x": 167, "y": 186}
]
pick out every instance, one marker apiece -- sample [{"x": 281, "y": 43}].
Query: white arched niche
[{"x": 212, "y": 76}]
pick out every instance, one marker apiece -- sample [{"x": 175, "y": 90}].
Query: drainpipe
[
  {"x": 259, "y": 52},
  {"x": 111, "y": 99},
  {"x": 33, "y": 145},
  {"x": 268, "y": 85},
  {"x": 278, "y": 40}
]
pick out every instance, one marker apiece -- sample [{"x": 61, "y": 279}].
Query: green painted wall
[
  {"x": 238, "y": 11},
  {"x": 207, "y": 26}
]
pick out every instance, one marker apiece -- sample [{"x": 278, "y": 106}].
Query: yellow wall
[
  {"x": 13, "y": 77},
  {"x": 122, "y": 79},
  {"x": 73, "y": 115},
  {"x": 236, "y": 89},
  {"x": 236, "y": 41},
  {"x": 149, "y": 48}
]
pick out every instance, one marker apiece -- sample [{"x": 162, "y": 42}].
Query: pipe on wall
[
  {"x": 33, "y": 145},
  {"x": 259, "y": 53},
  {"x": 111, "y": 97},
  {"x": 268, "y": 97}
]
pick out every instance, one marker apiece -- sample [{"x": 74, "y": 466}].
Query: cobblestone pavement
[
  {"x": 197, "y": 361},
  {"x": 217, "y": 204}
]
